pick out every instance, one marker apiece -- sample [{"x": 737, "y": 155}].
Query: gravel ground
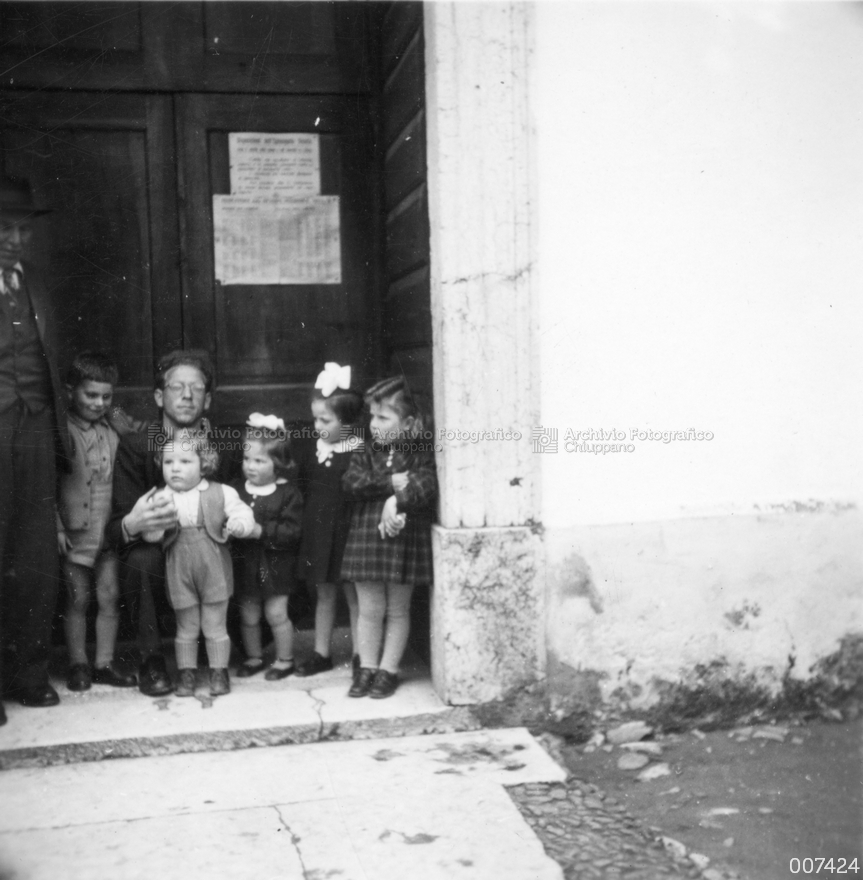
[{"x": 721, "y": 805}]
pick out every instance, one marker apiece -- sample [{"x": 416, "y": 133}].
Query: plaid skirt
[{"x": 405, "y": 559}]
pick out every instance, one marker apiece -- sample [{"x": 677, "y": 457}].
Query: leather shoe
[
  {"x": 153, "y": 678},
  {"x": 384, "y": 685},
  {"x": 274, "y": 673},
  {"x": 220, "y": 684},
  {"x": 111, "y": 675},
  {"x": 187, "y": 681},
  {"x": 362, "y": 682},
  {"x": 247, "y": 669},
  {"x": 79, "y": 678},
  {"x": 315, "y": 664},
  {"x": 37, "y": 695}
]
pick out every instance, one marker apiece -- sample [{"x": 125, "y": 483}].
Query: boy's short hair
[
  {"x": 92, "y": 366},
  {"x": 193, "y": 357}
]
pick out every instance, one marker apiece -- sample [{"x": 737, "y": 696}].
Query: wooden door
[
  {"x": 110, "y": 249},
  {"x": 129, "y": 250},
  {"x": 270, "y": 341}
]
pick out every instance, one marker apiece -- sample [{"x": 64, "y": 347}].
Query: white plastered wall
[{"x": 700, "y": 265}]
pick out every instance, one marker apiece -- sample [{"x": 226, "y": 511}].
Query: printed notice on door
[
  {"x": 275, "y": 240},
  {"x": 274, "y": 164}
]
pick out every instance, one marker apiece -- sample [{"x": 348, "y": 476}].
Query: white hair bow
[
  {"x": 269, "y": 423},
  {"x": 332, "y": 377}
]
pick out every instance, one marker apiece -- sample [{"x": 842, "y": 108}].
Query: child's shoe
[
  {"x": 279, "y": 670},
  {"x": 79, "y": 678},
  {"x": 362, "y": 682},
  {"x": 186, "y": 681},
  {"x": 220, "y": 684},
  {"x": 314, "y": 665},
  {"x": 384, "y": 685},
  {"x": 250, "y": 667},
  {"x": 111, "y": 675}
]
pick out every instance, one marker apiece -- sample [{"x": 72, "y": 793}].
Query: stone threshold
[
  {"x": 105, "y": 722},
  {"x": 451, "y": 720}
]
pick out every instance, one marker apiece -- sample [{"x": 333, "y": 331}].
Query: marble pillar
[{"x": 488, "y": 598}]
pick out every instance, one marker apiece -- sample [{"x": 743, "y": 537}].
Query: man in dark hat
[{"x": 33, "y": 438}]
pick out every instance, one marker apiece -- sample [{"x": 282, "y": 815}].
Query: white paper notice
[
  {"x": 266, "y": 240},
  {"x": 274, "y": 164}
]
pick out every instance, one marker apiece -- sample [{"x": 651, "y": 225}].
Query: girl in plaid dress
[{"x": 388, "y": 551}]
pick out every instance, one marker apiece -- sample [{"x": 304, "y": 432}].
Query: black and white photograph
[{"x": 430, "y": 439}]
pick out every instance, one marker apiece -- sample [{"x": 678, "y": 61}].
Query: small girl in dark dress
[
  {"x": 388, "y": 552},
  {"x": 267, "y": 561},
  {"x": 327, "y": 514}
]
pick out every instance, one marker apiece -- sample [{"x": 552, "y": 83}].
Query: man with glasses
[
  {"x": 33, "y": 440},
  {"x": 183, "y": 393}
]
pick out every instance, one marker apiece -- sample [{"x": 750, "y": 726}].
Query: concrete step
[
  {"x": 107, "y": 722},
  {"x": 425, "y": 808}
]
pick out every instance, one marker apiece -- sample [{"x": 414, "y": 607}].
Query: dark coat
[
  {"x": 326, "y": 514},
  {"x": 407, "y": 557},
  {"x": 43, "y": 311},
  {"x": 266, "y": 566}
]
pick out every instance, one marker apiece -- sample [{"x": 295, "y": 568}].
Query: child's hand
[
  {"x": 237, "y": 527},
  {"x": 400, "y": 481},
  {"x": 64, "y": 545},
  {"x": 392, "y": 522}
]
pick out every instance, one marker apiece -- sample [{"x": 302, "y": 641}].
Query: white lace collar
[
  {"x": 326, "y": 450},
  {"x": 263, "y": 491}
]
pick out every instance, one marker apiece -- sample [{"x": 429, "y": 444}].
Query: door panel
[
  {"x": 109, "y": 250},
  {"x": 276, "y": 47},
  {"x": 270, "y": 341}
]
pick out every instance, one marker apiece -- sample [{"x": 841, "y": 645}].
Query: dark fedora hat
[{"x": 16, "y": 198}]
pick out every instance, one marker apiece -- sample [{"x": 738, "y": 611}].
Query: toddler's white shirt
[{"x": 189, "y": 502}]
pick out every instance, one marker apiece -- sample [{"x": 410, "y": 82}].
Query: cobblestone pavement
[{"x": 591, "y": 835}]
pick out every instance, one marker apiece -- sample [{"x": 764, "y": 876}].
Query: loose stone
[
  {"x": 649, "y": 748},
  {"x": 632, "y": 761},
  {"x": 632, "y": 731},
  {"x": 655, "y": 771},
  {"x": 775, "y": 734}
]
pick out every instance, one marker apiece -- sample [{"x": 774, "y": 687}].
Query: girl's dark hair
[
  {"x": 197, "y": 358},
  {"x": 346, "y": 406},
  {"x": 204, "y": 449},
  {"x": 92, "y": 366},
  {"x": 396, "y": 393},
  {"x": 277, "y": 446}
]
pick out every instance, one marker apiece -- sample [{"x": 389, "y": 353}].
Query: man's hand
[
  {"x": 64, "y": 545},
  {"x": 400, "y": 481},
  {"x": 153, "y": 511}
]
